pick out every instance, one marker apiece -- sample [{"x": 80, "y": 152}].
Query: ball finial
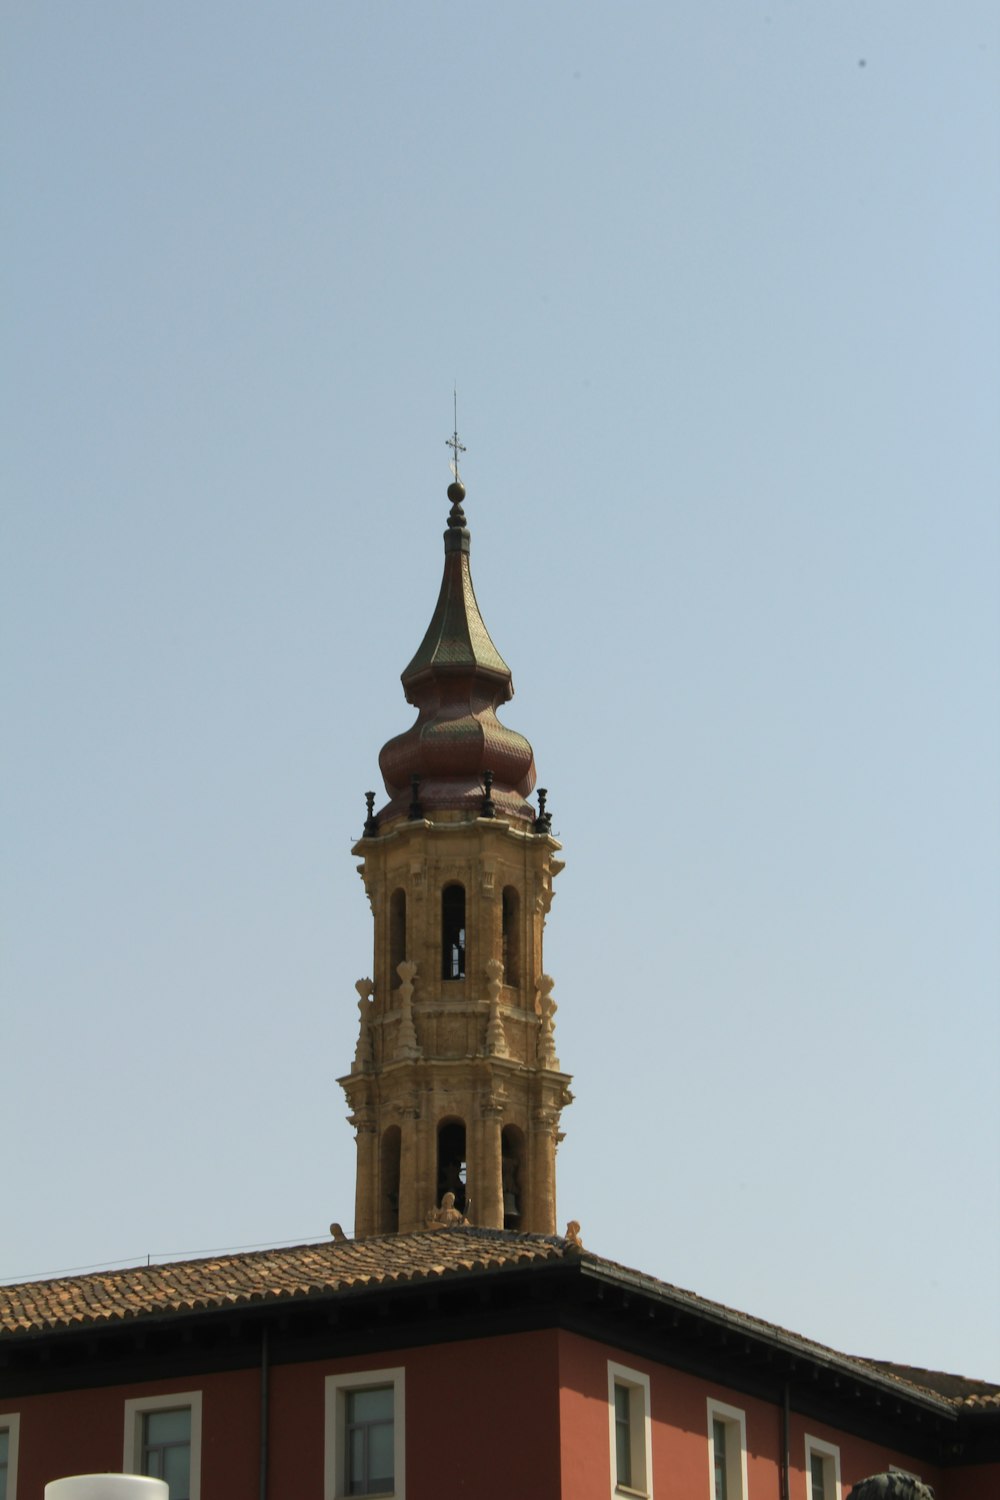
[{"x": 456, "y": 492}]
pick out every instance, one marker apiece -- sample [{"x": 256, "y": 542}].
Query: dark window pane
[
  {"x": 623, "y": 1434},
  {"x": 719, "y": 1446}
]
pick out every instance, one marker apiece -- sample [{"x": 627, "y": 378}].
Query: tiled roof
[
  {"x": 970, "y": 1395},
  {"x": 263, "y": 1276},
  {"x": 260, "y": 1277}
]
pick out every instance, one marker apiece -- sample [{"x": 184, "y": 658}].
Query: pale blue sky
[{"x": 718, "y": 283}]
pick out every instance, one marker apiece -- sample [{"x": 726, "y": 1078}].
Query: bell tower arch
[{"x": 455, "y": 1085}]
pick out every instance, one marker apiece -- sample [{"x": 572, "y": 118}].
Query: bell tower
[{"x": 455, "y": 1086}]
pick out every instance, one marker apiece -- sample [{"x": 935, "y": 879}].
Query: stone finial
[
  {"x": 371, "y": 822},
  {"x": 445, "y": 1217},
  {"x": 363, "y": 1056},
  {"x": 496, "y": 1041},
  {"x": 406, "y": 1042},
  {"x": 545, "y": 1008},
  {"x": 543, "y": 823},
  {"x": 891, "y": 1487},
  {"x": 337, "y": 1234},
  {"x": 544, "y": 985},
  {"x": 573, "y": 1234}
]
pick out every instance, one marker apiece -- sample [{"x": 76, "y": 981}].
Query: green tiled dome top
[{"x": 457, "y": 636}]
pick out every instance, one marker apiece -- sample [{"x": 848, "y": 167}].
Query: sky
[{"x": 717, "y": 284}]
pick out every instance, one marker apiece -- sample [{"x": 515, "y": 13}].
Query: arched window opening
[
  {"x": 453, "y": 932},
  {"x": 451, "y": 1162},
  {"x": 397, "y": 936},
  {"x": 512, "y": 1166},
  {"x": 511, "y": 954},
  {"x": 389, "y": 1180}
]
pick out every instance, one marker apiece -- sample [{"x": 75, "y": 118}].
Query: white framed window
[
  {"x": 630, "y": 1431},
  {"x": 727, "y": 1452},
  {"x": 822, "y": 1469},
  {"x": 366, "y": 1434},
  {"x": 10, "y": 1426},
  {"x": 163, "y": 1439}
]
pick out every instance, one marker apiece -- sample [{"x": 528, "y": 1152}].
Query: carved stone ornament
[
  {"x": 488, "y": 881},
  {"x": 363, "y": 1120},
  {"x": 363, "y": 1056},
  {"x": 445, "y": 1217},
  {"x": 406, "y": 1043},
  {"x": 543, "y": 892},
  {"x": 546, "y": 1008},
  {"x": 496, "y": 1041},
  {"x": 544, "y": 985},
  {"x": 547, "y": 1120},
  {"x": 573, "y": 1234},
  {"x": 417, "y": 879},
  {"x": 363, "y": 872}
]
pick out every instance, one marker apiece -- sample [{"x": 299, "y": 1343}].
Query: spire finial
[
  {"x": 456, "y": 490},
  {"x": 454, "y": 444}
]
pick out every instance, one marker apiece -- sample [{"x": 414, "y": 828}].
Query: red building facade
[{"x": 514, "y": 1366}]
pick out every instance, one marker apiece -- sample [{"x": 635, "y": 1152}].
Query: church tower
[{"x": 455, "y": 1086}]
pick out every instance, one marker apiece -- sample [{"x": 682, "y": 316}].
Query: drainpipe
[
  {"x": 786, "y": 1423},
  {"x": 265, "y": 1399}
]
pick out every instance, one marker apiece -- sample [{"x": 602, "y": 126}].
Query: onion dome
[{"x": 457, "y": 755}]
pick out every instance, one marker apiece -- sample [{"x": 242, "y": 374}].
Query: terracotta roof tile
[
  {"x": 265, "y": 1275},
  {"x": 345, "y": 1266}
]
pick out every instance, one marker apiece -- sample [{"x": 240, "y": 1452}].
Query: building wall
[
  {"x": 680, "y": 1451},
  {"x": 516, "y": 1417},
  {"x": 481, "y": 1420},
  {"x": 83, "y": 1432}
]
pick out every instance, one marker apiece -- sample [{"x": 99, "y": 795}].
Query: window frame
[
  {"x": 735, "y": 1422},
  {"x": 337, "y": 1389},
  {"x": 137, "y": 1407},
  {"x": 830, "y": 1454},
  {"x": 640, "y": 1430},
  {"x": 10, "y": 1423}
]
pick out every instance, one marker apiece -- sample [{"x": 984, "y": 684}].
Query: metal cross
[{"x": 453, "y": 443}]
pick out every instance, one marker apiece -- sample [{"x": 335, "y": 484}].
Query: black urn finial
[
  {"x": 416, "y": 811},
  {"x": 543, "y": 823},
  {"x": 371, "y": 822},
  {"x": 489, "y": 806}
]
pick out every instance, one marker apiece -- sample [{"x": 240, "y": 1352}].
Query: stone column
[
  {"x": 543, "y": 1172},
  {"x": 487, "y": 1189},
  {"x": 366, "y": 1190},
  {"x": 411, "y": 1210}
]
